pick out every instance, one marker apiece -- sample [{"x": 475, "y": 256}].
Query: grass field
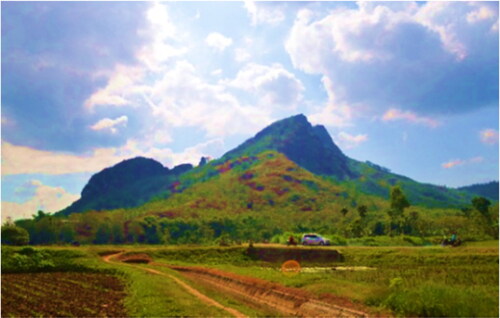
[{"x": 406, "y": 281}]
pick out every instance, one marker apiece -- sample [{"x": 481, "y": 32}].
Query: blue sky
[{"x": 410, "y": 86}]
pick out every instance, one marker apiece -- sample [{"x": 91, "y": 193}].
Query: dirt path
[
  {"x": 289, "y": 301},
  {"x": 191, "y": 290}
]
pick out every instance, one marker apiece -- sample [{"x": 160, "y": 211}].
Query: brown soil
[
  {"x": 62, "y": 295},
  {"x": 289, "y": 301}
]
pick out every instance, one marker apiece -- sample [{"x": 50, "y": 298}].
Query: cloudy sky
[{"x": 410, "y": 86}]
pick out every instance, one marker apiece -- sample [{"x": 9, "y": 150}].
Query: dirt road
[{"x": 233, "y": 312}]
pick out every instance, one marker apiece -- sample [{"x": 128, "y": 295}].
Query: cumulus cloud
[
  {"x": 395, "y": 114},
  {"x": 51, "y": 53},
  {"x": 122, "y": 83},
  {"x": 350, "y": 141},
  {"x": 336, "y": 112},
  {"x": 241, "y": 55},
  {"x": 19, "y": 159},
  {"x": 23, "y": 160},
  {"x": 420, "y": 57},
  {"x": 46, "y": 198},
  {"x": 261, "y": 12},
  {"x": 459, "y": 162},
  {"x": 166, "y": 39},
  {"x": 218, "y": 41},
  {"x": 489, "y": 136},
  {"x": 181, "y": 97},
  {"x": 169, "y": 92},
  {"x": 275, "y": 86},
  {"x": 107, "y": 123},
  {"x": 190, "y": 155}
]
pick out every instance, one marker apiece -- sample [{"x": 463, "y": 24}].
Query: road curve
[{"x": 191, "y": 290}]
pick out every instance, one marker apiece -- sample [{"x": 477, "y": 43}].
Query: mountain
[
  {"x": 136, "y": 181},
  {"x": 311, "y": 147},
  {"x": 376, "y": 180},
  {"x": 268, "y": 182},
  {"x": 489, "y": 190},
  {"x": 129, "y": 183}
]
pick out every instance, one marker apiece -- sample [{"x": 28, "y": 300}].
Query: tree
[
  {"x": 355, "y": 229},
  {"x": 398, "y": 204},
  {"x": 344, "y": 211},
  {"x": 14, "y": 235},
  {"x": 482, "y": 205},
  {"x": 117, "y": 232},
  {"x": 398, "y": 200},
  {"x": 362, "y": 210},
  {"x": 103, "y": 234}
]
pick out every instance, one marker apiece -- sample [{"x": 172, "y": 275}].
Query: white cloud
[
  {"x": 261, "y": 12},
  {"x": 335, "y": 113},
  {"x": 190, "y": 155},
  {"x": 395, "y": 114},
  {"x": 107, "y": 123},
  {"x": 24, "y": 160},
  {"x": 182, "y": 98},
  {"x": 122, "y": 85},
  {"x": 459, "y": 162},
  {"x": 46, "y": 198},
  {"x": 216, "y": 72},
  {"x": 241, "y": 55},
  {"x": 350, "y": 141},
  {"x": 416, "y": 56},
  {"x": 169, "y": 92},
  {"x": 19, "y": 159},
  {"x": 166, "y": 38},
  {"x": 275, "y": 86},
  {"x": 489, "y": 136},
  {"x": 218, "y": 41}
]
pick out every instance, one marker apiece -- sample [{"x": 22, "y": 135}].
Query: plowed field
[{"x": 62, "y": 295}]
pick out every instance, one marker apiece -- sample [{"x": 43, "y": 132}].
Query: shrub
[
  {"x": 337, "y": 240},
  {"x": 14, "y": 235}
]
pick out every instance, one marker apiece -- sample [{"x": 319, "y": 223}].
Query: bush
[
  {"x": 14, "y": 235},
  {"x": 337, "y": 240},
  {"x": 31, "y": 260}
]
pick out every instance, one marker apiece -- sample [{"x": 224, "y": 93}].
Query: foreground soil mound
[
  {"x": 300, "y": 254},
  {"x": 137, "y": 258},
  {"x": 290, "y": 301}
]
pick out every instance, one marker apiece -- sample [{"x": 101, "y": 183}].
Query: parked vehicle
[{"x": 314, "y": 239}]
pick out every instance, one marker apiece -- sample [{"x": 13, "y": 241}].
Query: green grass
[{"x": 428, "y": 281}]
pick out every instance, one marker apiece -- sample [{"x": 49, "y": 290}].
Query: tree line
[{"x": 478, "y": 221}]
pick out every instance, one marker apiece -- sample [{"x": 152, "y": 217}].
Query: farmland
[
  {"x": 62, "y": 294},
  {"x": 401, "y": 281}
]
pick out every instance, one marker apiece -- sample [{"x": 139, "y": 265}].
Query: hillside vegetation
[{"x": 265, "y": 197}]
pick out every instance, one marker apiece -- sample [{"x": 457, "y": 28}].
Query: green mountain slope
[
  {"x": 267, "y": 181},
  {"x": 488, "y": 190},
  {"x": 129, "y": 183},
  {"x": 376, "y": 180}
]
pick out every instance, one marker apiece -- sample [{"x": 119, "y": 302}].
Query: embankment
[{"x": 289, "y": 301}]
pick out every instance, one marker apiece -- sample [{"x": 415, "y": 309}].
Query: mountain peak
[{"x": 308, "y": 146}]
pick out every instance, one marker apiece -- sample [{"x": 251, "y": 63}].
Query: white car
[{"x": 314, "y": 239}]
